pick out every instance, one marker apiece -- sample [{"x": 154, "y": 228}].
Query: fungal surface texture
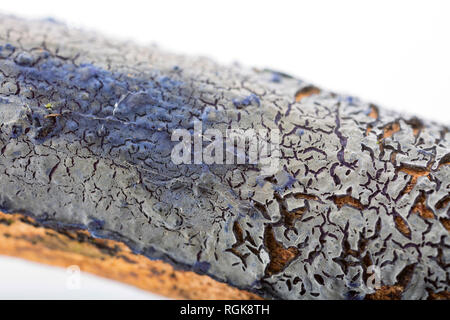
[{"x": 360, "y": 194}]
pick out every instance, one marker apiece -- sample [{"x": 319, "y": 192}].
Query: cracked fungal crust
[
  {"x": 85, "y": 127},
  {"x": 23, "y": 237}
]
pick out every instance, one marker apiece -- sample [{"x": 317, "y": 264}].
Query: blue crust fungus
[{"x": 85, "y": 141}]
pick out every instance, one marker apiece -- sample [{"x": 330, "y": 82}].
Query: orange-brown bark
[{"x": 21, "y": 236}]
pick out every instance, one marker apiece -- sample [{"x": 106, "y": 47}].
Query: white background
[{"x": 393, "y": 53}]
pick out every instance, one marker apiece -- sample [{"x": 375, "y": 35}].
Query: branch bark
[{"x": 85, "y": 143}]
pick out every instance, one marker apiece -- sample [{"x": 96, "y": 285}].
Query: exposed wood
[{"x": 23, "y": 237}]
